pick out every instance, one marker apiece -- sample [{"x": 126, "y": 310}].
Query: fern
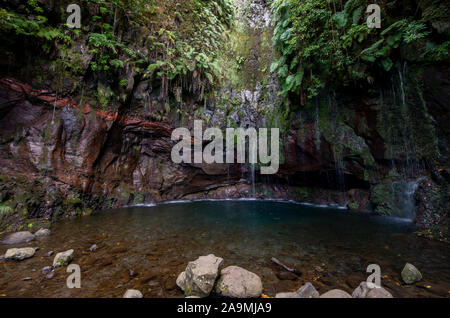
[{"x": 5, "y": 210}]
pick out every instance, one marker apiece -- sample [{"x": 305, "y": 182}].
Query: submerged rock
[
  {"x": 47, "y": 269},
  {"x": 63, "y": 258},
  {"x": 410, "y": 274},
  {"x": 364, "y": 291},
  {"x": 306, "y": 291},
  {"x": 133, "y": 293},
  {"x": 50, "y": 253},
  {"x": 286, "y": 276},
  {"x": 19, "y": 238},
  {"x": 336, "y": 293},
  {"x": 42, "y": 232},
  {"x": 200, "y": 275},
  {"x": 19, "y": 254},
  {"x": 237, "y": 282}
]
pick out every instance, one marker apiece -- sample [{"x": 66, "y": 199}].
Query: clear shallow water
[{"x": 147, "y": 247}]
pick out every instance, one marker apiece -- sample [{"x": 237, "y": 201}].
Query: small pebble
[
  {"x": 47, "y": 269},
  {"x": 50, "y": 275},
  {"x": 133, "y": 293},
  {"x": 50, "y": 253},
  {"x": 93, "y": 248},
  {"x": 132, "y": 273},
  {"x": 26, "y": 279}
]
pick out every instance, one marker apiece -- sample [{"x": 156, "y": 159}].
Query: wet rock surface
[
  {"x": 336, "y": 293},
  {"x": 364, "y": 290},
  {"x": 307, "y": 291},
  {"x": 410, "y": 274},
  {"x": 237, "y": 282},
  {"x": 18, "y": 238},
  {"x": 200, "y": 275},
  {"x": 42, "y": 233},
  {"x": 132, "y": 293},
  {"x": 81, "y": 150},
  {"x": 63, "y": 258},
  {"x": 19, "y": 254}
]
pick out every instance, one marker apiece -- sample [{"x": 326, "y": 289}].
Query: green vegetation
[
  {"x": 328, "y": 41},
  {"x": 174, "y": 42},
  {"x": 5, "y": 210}
]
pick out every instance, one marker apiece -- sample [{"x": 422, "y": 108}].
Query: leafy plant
[
  {"x": 4, "y": 209},
  {"x": 327, "y": 41}
]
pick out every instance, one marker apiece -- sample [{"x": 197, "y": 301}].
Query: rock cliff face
[{"x": 62, "y": 155}]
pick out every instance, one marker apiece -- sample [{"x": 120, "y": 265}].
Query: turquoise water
[{"x": 147, "y": 247}]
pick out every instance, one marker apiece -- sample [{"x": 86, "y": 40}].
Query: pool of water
[{"x": 147, "y": 247}]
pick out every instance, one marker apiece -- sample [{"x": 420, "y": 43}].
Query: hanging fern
[{"x": 328, "y": 41}]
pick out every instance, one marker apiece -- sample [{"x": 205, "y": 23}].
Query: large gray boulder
[
  {"x": 410, "y": 274},
  {"x": 364, "y": 291},
  {"x": 306, "y": 291},
  {"x": 63, "y": 258},
  {"x": 237, "y": 282},
  {"x": 18, "y": 238},
  {"x": 336, "y": 293},
  {"x": 19, "y": 254},
  {"x": 133, "y": 293},
  {"x": 200, "y": 275}
]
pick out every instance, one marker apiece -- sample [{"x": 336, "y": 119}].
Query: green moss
[
  {"x": 353, "y": 206},
  {"x": 302, "y": 193}
]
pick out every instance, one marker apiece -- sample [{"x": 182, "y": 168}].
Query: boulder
[
  {"x": 42, "y": 232},
  {"x": 237, "y": 282},
  {"x": 410, "y": 274},
  {"x": 18, "y": 254},
  {"x": 133, "y": 293},
  {"x": 19, "y": 238},
  {"x": 336, "y": 293},
  {"x": 200, "y": 275},
  {"x": 63, "y": 258},
  {"x": 364, "y": 291}
]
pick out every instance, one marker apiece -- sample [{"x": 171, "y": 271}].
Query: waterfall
[
  {"x": 410, "y": 210},
  {"x": 404, "y": 206},
  {"x": 252, "y": 166},
  {"x": 148, "y": 103}
]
